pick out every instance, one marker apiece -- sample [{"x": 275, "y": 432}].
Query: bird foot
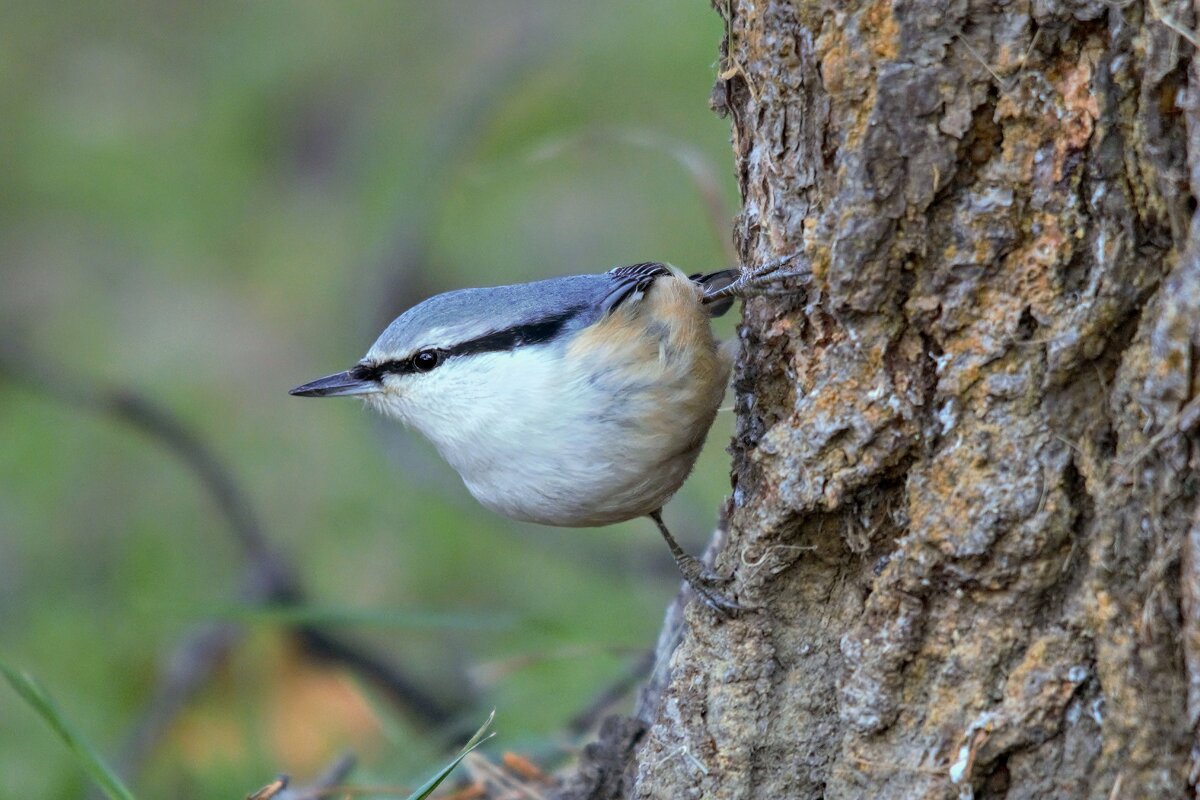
[
  {"x": 708, "y": 585},
  {"x": 711, "y": 588},
  {"x": 767, "y": 279}
]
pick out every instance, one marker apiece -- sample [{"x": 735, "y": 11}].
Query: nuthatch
[{"x": 577, "y": 401}]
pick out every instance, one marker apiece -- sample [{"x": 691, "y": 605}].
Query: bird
[{"x": 576, "y": 401}]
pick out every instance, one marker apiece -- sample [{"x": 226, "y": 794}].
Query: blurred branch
[
  {"x": 269, "y": 578},
  {"x": 139, "y": 412},
  {"x": 334, "y": 775},
  {"x": 186, "y": 671},
  {"x": 689, "y": 157},
  {"x": 704, "y": 181},
  {"x": 606, "y": 698},
  {"x": 320, "y": 644}
]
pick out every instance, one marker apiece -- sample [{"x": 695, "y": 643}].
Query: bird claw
[
  {"x": 757, "y": 281},
  {"x": 710, "y": 588}
]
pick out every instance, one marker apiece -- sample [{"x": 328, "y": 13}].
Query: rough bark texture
[{"x": 965, "y": 497}]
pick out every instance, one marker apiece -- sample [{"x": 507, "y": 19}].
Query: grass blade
[
  {"x": 33, "y": 694},
  {"x": 479, "y": 738}
]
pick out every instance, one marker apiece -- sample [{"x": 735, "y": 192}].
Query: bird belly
[{"x": 586, "y": 474}]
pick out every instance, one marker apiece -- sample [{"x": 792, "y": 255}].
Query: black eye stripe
[
  {"x": 508, "y": 339},
  {"x": 375, "y": 372},
  {"x": 517, "y": 336}
]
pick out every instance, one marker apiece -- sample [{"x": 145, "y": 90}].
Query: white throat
[{"x": 478, "y": 410}]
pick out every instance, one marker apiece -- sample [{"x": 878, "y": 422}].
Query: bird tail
[{"x": 712, "y": 282}]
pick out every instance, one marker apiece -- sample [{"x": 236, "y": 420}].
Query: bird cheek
[{"x": 382, "y": 401}]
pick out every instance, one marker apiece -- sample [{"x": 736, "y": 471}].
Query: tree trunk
[{"x": 965, "y": 500}]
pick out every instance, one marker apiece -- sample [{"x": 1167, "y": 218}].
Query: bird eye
[{"x": 426, "y": 360}]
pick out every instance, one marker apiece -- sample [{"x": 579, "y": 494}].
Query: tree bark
[{"x": 964, "y": 489}]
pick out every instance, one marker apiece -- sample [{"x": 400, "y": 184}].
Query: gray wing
[{"x": 634, "y": 280}]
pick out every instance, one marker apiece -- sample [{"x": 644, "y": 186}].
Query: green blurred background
[{"x": 211, "y": 203}]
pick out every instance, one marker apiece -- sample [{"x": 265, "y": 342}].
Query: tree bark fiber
[{"x": 965, "y": 497}]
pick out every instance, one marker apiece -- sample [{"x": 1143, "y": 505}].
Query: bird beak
[{"x": 343, "y": 383}]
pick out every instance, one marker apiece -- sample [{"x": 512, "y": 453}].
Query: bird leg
[
  {"x": 707, "y": 585},
  {"x": 764, "y": 280}
]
